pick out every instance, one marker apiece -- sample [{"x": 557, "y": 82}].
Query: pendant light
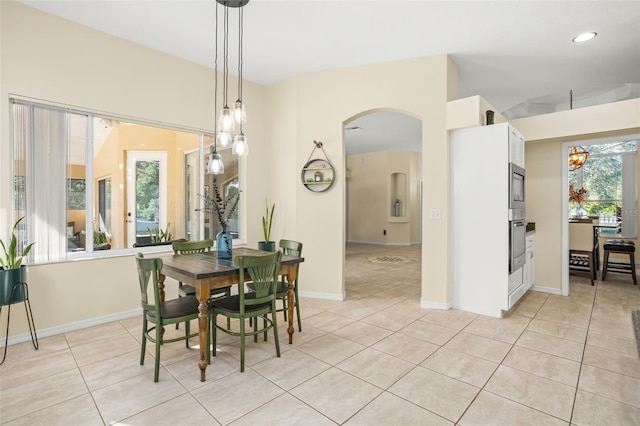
[
  {"x": 215, "y": 165},
  {"x": 578, "y": 155},
  {"x": 229, "y": 118},
  {"x": 240, "y": 145},
  {"x": 239, "y": 113}
]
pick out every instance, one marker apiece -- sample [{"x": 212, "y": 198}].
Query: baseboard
[
  {"x": 379, "y": 243},
  {"x": 324, "y": 296},
  {"x": 549, "y": 290},
  {"x": 444, "y": 306},
  {"x": 65, "y": 328}
]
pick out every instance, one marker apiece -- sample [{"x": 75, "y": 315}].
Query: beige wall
[
  {"x": 51, "y": 59},
  {"x": 369, "y": 202},
  {"x": 47, "y": 58},
  {"x": 320, "y": 104}
]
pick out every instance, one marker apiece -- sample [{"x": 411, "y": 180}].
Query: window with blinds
[{"x": 89, "y": 184}]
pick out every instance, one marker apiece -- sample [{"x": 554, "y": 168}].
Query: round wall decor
[{"x": 317, "y": 174}]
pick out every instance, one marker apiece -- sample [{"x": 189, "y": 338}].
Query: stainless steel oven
[
  {"x": 516, "y": 187},
  {"x": 517, "y": 240}
]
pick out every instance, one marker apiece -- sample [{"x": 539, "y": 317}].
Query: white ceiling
[{"x": 518, "y": 55}]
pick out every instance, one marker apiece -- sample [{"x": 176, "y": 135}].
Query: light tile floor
[{"x": 375, "y": 358}]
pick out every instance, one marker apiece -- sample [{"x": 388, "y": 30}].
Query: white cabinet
[
  {"x": 480, "y": 159},
  {"x": 528, "y": 267},
  {"x": 516, "y": 147}
]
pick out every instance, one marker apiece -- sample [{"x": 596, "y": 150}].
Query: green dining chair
[
  {"x": 262, "y": 270},
  {"x": 289, "y": 248},
  {"x": 156, "y": 315},
  {"x": 191, "y": 247}
]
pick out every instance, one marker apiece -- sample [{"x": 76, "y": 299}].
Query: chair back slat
[
  {"x": 148, "y": 270},
  {"x": 191, "y": 247},
  {"x": 291, "y": 248},
  {"x": 263, "y": 271}
]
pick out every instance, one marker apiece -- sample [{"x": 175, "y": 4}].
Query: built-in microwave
[{"x": 516, "y": 187}]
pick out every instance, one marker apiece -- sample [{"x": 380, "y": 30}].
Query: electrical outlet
[{"x": 435, "y": 214}]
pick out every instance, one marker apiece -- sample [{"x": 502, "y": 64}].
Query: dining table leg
[
  {"x": 290, "y": 301},
  {"x": 202, "y": 335}
]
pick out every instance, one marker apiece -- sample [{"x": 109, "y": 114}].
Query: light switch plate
[{"x": 435, "y": 214}]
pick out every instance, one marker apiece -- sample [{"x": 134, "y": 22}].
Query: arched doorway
[{"x": 383, "y": 201}]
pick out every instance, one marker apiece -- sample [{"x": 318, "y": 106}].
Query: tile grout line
[{"x": 584, "y": 349}]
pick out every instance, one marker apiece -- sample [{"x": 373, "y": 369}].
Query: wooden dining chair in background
[
  {"x": 583, "y": 248},
  {"x": 191, "y": 247}
]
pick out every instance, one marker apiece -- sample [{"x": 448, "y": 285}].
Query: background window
[{"x": 71, "y": 180}]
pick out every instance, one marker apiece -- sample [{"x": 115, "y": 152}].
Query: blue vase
[{"x": 224, "y": 244}]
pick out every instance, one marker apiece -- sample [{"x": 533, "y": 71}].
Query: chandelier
[
  {"x": 577, "y": 157},
  {"x": 228, "y": 118}
]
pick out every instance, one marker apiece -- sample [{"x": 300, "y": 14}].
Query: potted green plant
[
  {"x": 12, "y": 271},
  {"x": 267, "y": 221}
]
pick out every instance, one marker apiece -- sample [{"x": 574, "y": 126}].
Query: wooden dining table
[{"x": 204, "y": 271}]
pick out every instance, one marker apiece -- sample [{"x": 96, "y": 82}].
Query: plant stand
[{"x": 20, "y": 289}]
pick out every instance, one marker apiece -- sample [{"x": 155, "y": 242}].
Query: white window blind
[{"x": 41, "y": 149}]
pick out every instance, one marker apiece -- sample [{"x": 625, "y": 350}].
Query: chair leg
[
  {"x": 187, "y": 326},
  {"x": 297, "y": 302},
  {"x": 275, "y": 328},
  {"x": 605, "y": 264},
  {"x": 144, "y": 339},
  {"x": 156, "y": 370},
  {"x": 179, "y": 295},
  {"x": 242, "y": 342},
  {"x": 592, "y": 267},
  {"x": 264, "y": 325},
  {"x": 255, "y": 329},
  {"x": 214, "y": 335},
  {"x": 284, "y": 307},
  {"x": 227, "y": 293},
  {"x": 632, "y": 259}
]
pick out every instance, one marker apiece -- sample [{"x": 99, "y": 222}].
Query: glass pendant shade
[
  {"x": 240, "y": 145},
  {"x": 224, "y": 138},
  {"x": 239, "y": 113},
  {"x": 226, "y": 123},
  {"x": 215, "y": 166}
]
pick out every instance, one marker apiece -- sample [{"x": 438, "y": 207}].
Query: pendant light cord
[
  {"x": 226, "y": 56},
  {"x": 240, "y": 52},
  {"x": 570, "y": 99},
  {"x": 240, "y": 43},
  {"x": 215, "y": 86}
]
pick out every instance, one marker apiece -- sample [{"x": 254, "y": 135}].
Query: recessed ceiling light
[{"x": 584, "y": 37}]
